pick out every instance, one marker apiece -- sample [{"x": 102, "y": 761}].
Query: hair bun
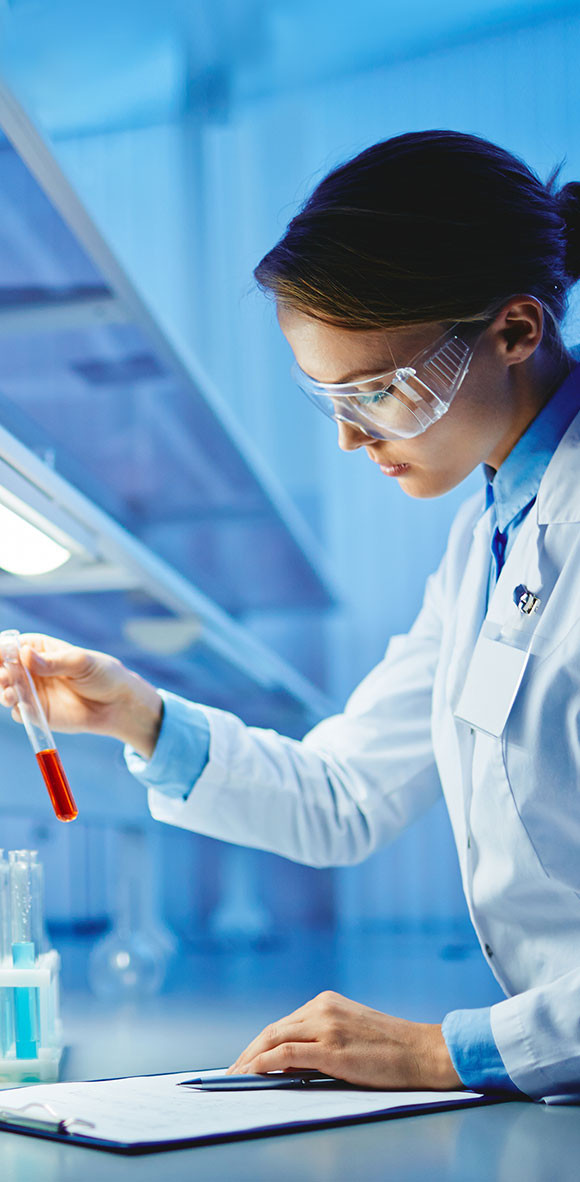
[{"x": 569, "y": 208}]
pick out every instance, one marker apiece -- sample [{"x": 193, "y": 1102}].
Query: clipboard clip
[{"x": 55, "y": 1123}]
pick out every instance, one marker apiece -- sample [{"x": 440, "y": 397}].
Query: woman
[{"x": 421, "y": 289}]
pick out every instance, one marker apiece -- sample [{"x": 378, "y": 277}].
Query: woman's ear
[{"x": 518, "y": 329}]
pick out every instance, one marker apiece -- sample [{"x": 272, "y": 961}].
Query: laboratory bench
[{"x": 215, "y": 1002}]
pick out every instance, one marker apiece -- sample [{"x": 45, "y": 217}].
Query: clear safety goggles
[{"x": 403, "y": 401}]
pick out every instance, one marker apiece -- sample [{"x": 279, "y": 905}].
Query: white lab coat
[{"x": 359, "y": 778}]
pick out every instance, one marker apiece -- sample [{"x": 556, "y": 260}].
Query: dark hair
[{"x": 427, "y": 226}]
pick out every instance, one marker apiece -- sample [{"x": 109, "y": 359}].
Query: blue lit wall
[{"x": 192, "y": 169}]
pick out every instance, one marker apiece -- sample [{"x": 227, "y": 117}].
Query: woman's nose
[{"x": 351, "y": 437}]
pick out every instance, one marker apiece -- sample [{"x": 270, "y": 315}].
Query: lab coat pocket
[
  {"x": 493, "y": 679},
  {"x": 541, "y": 758}
]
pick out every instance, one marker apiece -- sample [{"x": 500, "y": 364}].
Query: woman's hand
[
  {"x": 81, "y": 690},
  {"x": 352, "y": 1042}
]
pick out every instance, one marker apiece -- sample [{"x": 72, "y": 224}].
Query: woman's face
[{"x": 489, "y": 413}]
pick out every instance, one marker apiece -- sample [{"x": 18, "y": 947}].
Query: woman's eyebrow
[
  {"x": 376, "y": 372},
  {"x": 388, "y": 366}
]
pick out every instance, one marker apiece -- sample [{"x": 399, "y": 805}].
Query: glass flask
[{"x": 131, "y": 960}]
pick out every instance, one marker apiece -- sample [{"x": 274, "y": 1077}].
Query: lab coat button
[
  {"x": 469, "y": 841},
  {"x": 489, "y": 951}
]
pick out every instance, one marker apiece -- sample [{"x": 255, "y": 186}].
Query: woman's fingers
[
  {"x": 272, "y": 1032},
  {"x": 290, "y": 1056},
  {"x": 8, "y": 697},
  {"x": 41, "y": 643},
  {"x": 46, "y": 656},
  {"x": 306, "y": 1024},
  {"x": 272, "y": 1036},
  {"x": 65, "y": 662}
]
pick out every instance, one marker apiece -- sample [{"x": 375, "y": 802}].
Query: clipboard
[{"x": 149, "y": 1114}]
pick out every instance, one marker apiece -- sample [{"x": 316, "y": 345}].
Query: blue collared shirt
[
  {"x": 183, "y": 742},
  {"x": 184, "y": 739}
]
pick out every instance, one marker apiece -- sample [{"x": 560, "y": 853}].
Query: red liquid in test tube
[
  {"x": 37, "y": 728},
  {"x": 63, "y": 801}
]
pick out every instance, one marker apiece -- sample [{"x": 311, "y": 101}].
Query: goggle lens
[{"x": 403, "y": 402}]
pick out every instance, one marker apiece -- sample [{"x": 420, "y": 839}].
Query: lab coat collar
[
  {"x": 514, "y": 487},
  {"x": 558, "y": 498}
]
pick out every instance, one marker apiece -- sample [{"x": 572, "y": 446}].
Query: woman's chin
[{"x": 422, "y": 484}]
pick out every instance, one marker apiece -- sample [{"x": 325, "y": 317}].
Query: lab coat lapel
[
  {"x": 523, "y": 568},
  {"x": 558, "y": 500},
  {"x": 471, "y": 602}
]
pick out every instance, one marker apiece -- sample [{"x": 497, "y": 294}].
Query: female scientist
[{"x": 421, "y": 289}]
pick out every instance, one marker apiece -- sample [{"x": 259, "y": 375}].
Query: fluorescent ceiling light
[{"x": 26, "y": 550}]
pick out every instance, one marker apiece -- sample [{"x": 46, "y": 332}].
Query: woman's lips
[{"x": 394, "y": 469}]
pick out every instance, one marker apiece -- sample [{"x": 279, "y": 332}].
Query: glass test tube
[
  {"x": 23, "y": 922},
  {"x": 5, "y": 940},
  {"x": 39, "y": 934},
  {"x": 37, "y": 728},
  {"x": 47, "y": 997},
  {"x": 6, "y": 1018}
]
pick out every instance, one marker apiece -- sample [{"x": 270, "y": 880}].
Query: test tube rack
[{"x": 43, "y": 978}]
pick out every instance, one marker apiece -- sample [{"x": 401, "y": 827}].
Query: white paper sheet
[{"x": 144, "y": 1109}]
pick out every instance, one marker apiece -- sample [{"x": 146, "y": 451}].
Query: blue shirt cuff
[
  {"x": 474, "y": 1052},
  {"x": 181, "y": 752}
]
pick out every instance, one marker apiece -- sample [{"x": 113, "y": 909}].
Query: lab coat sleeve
[
  {"x": 537, "y": 1034},
  {"x": 353, "y": 783}
]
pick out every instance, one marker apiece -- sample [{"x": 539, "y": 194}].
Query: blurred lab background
[{"x": 150, "y": 152}]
